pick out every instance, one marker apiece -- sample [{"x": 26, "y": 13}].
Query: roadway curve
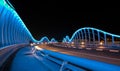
[{"x": 107, "y": 57}]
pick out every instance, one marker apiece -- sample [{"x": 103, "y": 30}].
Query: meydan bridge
[{"x": 88, "y": 49}]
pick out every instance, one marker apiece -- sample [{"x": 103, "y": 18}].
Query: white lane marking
[
  {"x": 114, "y": 50},
  {"x": 99, "y": 49},
  {"x": 88, "y": 48}
]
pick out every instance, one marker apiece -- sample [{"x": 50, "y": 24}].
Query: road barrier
[
  {"x": 7, "y": 51},
  {"x": 73, "y": 63}
]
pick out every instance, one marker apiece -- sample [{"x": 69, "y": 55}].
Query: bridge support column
[
  {"x": 89, "y": 36},
  {"x": 98, "y": 37},
  {"x": 112, "y": 40},
  {"x": 82, "y": 35},
  {"x": 85, "y": 35},
  {"x": 105, "y": 39},
  {"x": 93, "y": 36}
]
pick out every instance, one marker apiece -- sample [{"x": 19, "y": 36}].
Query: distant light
[
  {"x": 31, "y": 44},
  {"x": 72, "y": 42},
  {"x": 38, "y": 48},
  {"x": 101, "y": 47},
  {"x": 82, "y": 43},
  {"x": 82, "y": 46},
  {"x": 101, "y": 43}
]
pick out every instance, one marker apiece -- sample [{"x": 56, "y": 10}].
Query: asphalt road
[{"x": 107, "y": 57}]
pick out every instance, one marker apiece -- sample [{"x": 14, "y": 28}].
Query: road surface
[{"x": 107, "y": 57}]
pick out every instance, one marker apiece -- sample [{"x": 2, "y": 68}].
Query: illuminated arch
[
  {"x": 93, "y": 36},
  {"x": 12, "y": 28},
  {"x": 44, "y": 39},
  {"x": 53, "y": 40},
  {"x": 66, "y": 39}
]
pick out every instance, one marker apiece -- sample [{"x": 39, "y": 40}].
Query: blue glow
[
  {"x": 53, "y": 40},
  {"x": 44, "y": 39},
  {"x": 14, "y": 31},
  {"x": 92, "y": 36},
  {"x": 9, "y": 4},
  {"x": 9, "y": 18},
  {"x": 101, "y": 31},
  {"x": 12, "y": 28},
  {"x": 66, "y": 39},
  {"x": 2, "y": 2},
  {"x": 93, "y": 65}
]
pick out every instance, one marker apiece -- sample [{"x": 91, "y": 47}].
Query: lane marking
[
  {"x": 99, "y": 49},
  {"x": 88, "y": 48},
  {"x": 114, "y": 50}
]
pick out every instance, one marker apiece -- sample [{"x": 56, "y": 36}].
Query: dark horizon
[{"x": 53, "y": 19}]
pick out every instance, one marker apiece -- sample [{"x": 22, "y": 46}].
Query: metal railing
[{"x": 72, "y": 63}]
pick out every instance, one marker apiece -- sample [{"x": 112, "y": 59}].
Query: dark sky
[{"x": 58, "y": 19}]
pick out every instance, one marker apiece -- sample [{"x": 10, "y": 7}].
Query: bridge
[{"x": 88, "y": 49}]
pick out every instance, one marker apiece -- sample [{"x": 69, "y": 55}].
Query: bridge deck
[
  {"x": 107, "y": 57},
  {"x": 24, "y": 60}
]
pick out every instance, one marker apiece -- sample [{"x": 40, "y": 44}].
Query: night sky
[{"x": 58, "y": 19}]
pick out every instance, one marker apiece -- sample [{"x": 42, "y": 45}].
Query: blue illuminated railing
[
  {"x": 66, "y": 62},
  {"x": 53, "y": 40},
  {"x": 13, "y": 32},
  {"x": 92, "y": 36},
  {"x": 44, "y": 39},
  {"x": 12, "y": 28},
  {"x": 66, "y": 39}
]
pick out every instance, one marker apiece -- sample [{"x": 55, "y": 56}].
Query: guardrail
[
  {"x": 5, "y": 52},
  {"x": 73, "y": 63}
]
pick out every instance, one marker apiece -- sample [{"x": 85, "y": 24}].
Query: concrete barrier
[{"x": 5, "y": 52}]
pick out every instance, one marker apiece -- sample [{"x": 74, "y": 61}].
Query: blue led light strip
[{"x": 12, "y": 28}]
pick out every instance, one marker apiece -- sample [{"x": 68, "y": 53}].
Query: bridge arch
[
  {"x": 12, "y": 28},
  {"x": 95, "y": 37}
]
